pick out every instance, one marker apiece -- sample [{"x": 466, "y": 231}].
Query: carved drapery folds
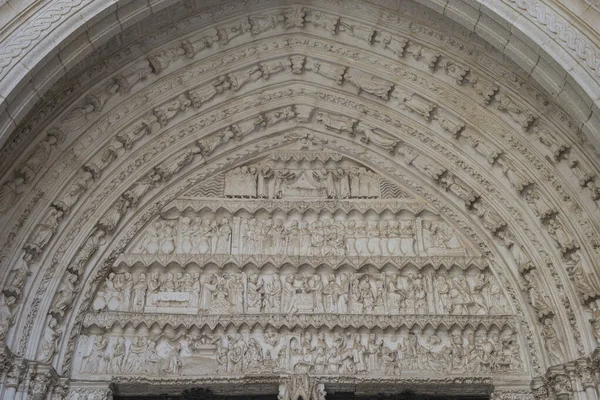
[
  {"x": 276, "y": 222},
  {"x": 331, "y": 222},
  {"x": 200, "y": 352}
]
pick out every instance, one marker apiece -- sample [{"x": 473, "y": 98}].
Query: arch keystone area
[{"x": 300, "y": 199}]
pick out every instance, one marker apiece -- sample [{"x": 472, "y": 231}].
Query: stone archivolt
[{"x": 231, "y": 251}]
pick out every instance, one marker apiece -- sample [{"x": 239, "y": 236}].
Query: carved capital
[{"x": 99, "y": 391}]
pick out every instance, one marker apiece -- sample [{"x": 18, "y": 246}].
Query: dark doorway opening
[{"x": 204, "y": 394}]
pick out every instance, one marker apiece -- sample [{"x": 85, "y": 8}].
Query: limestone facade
[{"x": 300, "y": 198}]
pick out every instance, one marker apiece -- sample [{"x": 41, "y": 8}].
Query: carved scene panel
[
  {"x": 472, "y": 349},
  {"x": 210, "y": 290}
]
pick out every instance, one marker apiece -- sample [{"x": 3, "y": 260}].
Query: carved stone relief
[
  {"x": 193, "y": 290},
  {"x": 436, "y": 350},
  {"x": 240, "y": 232}
]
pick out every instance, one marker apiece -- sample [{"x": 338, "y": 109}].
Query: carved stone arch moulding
[
  {"x": 364, "y": 33},
  {"x": 492, "y": 155},
  {"x": 441, "y": 197},
  {"x": 377, "y": 138},
  {"x": 571, "y": 41},
  {"x": 281, "y": 114},
  {"x": 414, "y": 105},
  {"x": 95, "y": 321}
]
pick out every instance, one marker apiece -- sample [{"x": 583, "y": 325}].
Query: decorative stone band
[
  {"x": 108, "y": 320},
  {"x": 376, "y": 205},
  {"x": 146, "y": 260},
  {"x": 443, "y": 351}
]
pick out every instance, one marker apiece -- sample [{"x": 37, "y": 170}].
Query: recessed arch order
[{"x": 168, "y": 178}]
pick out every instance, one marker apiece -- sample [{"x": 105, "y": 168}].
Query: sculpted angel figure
[
  {"x": 87, "y": 250},
  {"x": 582, "y": 280},
  {"x": 537, "y": 297},
  {"x": 367, "y": 83},
  {"x": 18, "y": 281},
  {"x": 553, "y": 343},
  {"x": 75, "y": 190},
  {"x": 37, "y": 157}
]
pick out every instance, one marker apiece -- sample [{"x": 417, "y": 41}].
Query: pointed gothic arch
[{"x": 453, "y": 131}]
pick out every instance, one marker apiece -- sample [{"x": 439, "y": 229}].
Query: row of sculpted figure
[
  {"x": 262, "y": 181},
  {"x": 321, "y": 238},
  {"x": 320, "y": 352},
  {"x": 339, "y": 293}
]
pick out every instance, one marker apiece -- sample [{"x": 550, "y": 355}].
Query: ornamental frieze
[{"x": 168, "y": 352}]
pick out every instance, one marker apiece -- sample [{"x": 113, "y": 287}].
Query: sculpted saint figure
[
  {"x": 254, "y": 296},
  {"x": 6, "y": 314},
  {"x": 135, "y": 362},
  {"x": 43, "y": 233},
  {"x": 139, "y": 293},
  {"x": 49, "y": 342},
  {"x": 553, "y": 342},
  {"x": 97, "y": 359},
  {"x": 223, "y": 237},
  {"x": 65, "y": 295},
  {"x": 117, "y": 356}
]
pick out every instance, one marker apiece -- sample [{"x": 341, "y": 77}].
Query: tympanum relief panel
[
  {"x": 438, "y": 350},
  {"x": 193, "y": 290},
  {"x": 301, "y": 262}
]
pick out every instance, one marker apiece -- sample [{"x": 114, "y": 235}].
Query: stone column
[
  {"x": 14, "y": 376},
  {"x": 43, "y": 382},
  {"x": 24, "y": 391},
  {"x": 295, "y": 387},
  {"x": 584, "y": 375}
]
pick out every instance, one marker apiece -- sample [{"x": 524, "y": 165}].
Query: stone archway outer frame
[{"x": 532, "y": 33}]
